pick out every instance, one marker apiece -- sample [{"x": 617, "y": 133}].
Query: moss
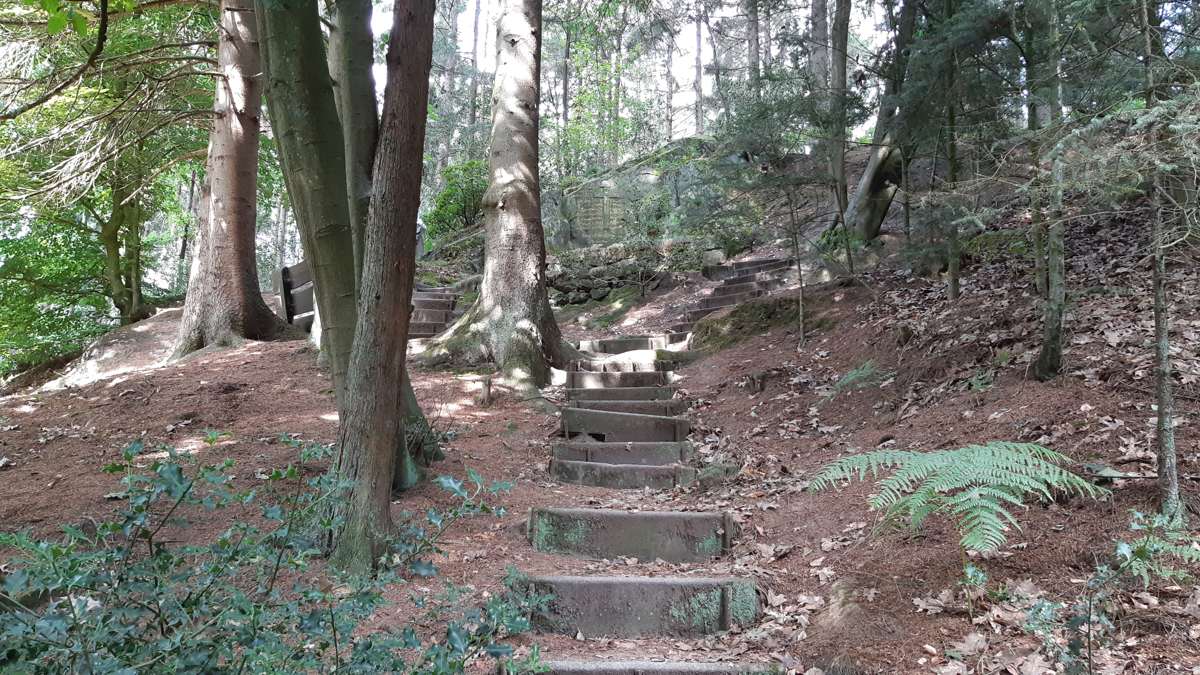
[
  {"x": 743, "y": 603},
  {"x": 700, "y": 610},
  {"x": 714, "y": 333},
  {"x": 612, "y": 308},
  {"x": 710, "y": 545},
  {"x": 994, "y": 244},
  {"x": 550, "y": 535}
]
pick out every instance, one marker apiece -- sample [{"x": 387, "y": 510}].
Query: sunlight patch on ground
[{"x": 329, "y": 417}]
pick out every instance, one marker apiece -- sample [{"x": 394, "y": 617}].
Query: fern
[{"x": 976, "y": 485}]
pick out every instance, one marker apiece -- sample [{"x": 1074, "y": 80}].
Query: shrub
[{"x": 122, "y": 597}]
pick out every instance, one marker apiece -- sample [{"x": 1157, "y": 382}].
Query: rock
[
  {"x": 600, "y": 293},
  {"x": 713, "y": 257},
  {"x": 599, "y": 271},
  {"x": 576, "y": 297}
]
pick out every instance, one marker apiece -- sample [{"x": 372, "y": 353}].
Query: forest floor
[{"x": 835, "y": 591}]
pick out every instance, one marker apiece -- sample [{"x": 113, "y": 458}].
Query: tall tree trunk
[
  {"x": 669, "y": 102},
  {"x": 1049, "y": 362},
  {"x": 511, "y": 322},
  {"x": 370, "y": 430},
  {"x": 475, "y": 76},
  {"x": 1168, "y": 462},
  {"x": 308, "y": 134},
  {"x": 837, "y": 140},
  {"x": 124, "y": 217},
  {"x": 698, "y": 82},
  {"x": 1043, "y": 108},
  {"x": 224, "y": 303},
  {"x": 312, "y": 152},
  {"x": 953, "y": 256},
  {"x": 351, "y": 56},
  {"x": 718, "y": 69},
  {"x": 752, "y": 52}
]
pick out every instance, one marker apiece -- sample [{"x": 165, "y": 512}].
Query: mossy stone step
[
  {"x": 623, "y": 365},
  {"x": 631, "y": 343},
  {"x": 654, "y": 668},
  {"x": 432, "y": 303},
  {"x": 645, "y": 454},
  {"x": 721, "y": 272},
  {"x": 736, "y": 289},
  {"x": 620, "y": 393},
  {"x": 674, "y": 536},
  {"x": 607, "y": 426},
  {"x": 666, "y": 407},
  {"x": 581, "y": 380},
  {"x": 622, "y": 476},
  {"x": 631, "y": 607},
  {"x": 718, "y": 301}
]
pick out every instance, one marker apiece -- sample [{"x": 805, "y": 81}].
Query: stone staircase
[
  {"x": 622, "y": 427},
  {"x": 433, "y": 310},
  {"x": 740, "y": 281}
]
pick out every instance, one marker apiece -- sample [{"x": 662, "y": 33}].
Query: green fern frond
[{"x": 975, "y": 485}]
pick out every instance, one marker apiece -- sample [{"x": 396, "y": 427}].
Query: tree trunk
[
  {"x": 818, "y": 48},
  {"x": 311, "y": 153},
  {"x": 1050, "y": 359},
  {"x": 669, "y": 102},
  {"x": 752, "y": 53},
  {"x": 698, "y": 83},
  {"x": 872, "y": 198},
  {"x": 370, "y": 430},
  {"x": 718, "y": 80},
  {"x": 837, "y": 135},
  {"x": 224, "y": 303},
  {"x": 1043, "y": 108},
  {"x": 953, "y": 256},
  {"x": 351, "y": 56},
  {"x": 511, "y": 323}
]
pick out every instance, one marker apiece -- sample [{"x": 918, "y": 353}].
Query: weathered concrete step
[
  {"x": 700, "y": 313},
  {"x": 666, "y": 407},
  {"x": 721, "y": 272},
  {"x": 682, "y": 326},
  {"x": 615, "y": 393},
  {"x": 634, "y": 342},
  {"x": 631, "y": 607},
  {"x": 778, "y": 274},
  {"x": 427, "y": 303},
  {"x": 581, "y": 380},
  {"x": 746, "y": 287},
  {"x": 431, "y": 315},
  {"x": 419, "y": 327},
  {"x": 653, "y": 668},
  {"x": 674, "y": 536},
  {"x": 618, "y": 364},
  {"x": 607, "y": 426},
  {"x": 642, "y": 454},
  {"x": 727, "y": 300},
  {"x": 622, "y": 476}
]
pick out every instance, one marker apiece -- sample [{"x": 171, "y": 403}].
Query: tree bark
[
  {"x": 511, "y": 323},
  {"x": 698, "y": 83},
  {"x": 837, "y": 140},
  {"x": 351, "y": 57},
  {"x": 125, "y": 216},
  {"x": 224, "y": 302},
  {"x": 1049, "y": 362},
  {"x": 818, "y": 48},
  {"x": 953, "y": 256},
  {"x": 752, "y": 52},
  {"x": 370, "y": 430}
]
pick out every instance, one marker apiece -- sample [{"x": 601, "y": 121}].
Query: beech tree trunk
[
  {"x": 224, "y": 302},
  {"x": 370, "y": 429},
  {"x": 125, "y": 217},
  {"x": 511, "y": 323},
  {"x": 698, "y": 83}
]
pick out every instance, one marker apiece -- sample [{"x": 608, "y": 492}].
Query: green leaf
[
  {"x": 79, "y": 23},
  {"x": 56, "y": 23}
]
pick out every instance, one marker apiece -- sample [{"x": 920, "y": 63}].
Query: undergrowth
[{"x": 124, "y": 596}]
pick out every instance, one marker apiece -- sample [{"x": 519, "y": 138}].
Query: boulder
[{"x": 600, "y": 293}]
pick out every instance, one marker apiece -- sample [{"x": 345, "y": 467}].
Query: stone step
[
  {"x": 431, "y": 315},
  {"x": 779, "y": 274},
  {"x": 718, "y": 301},
  {"x": 745, "y": 267},
  {"x": 622, "y": 476},
  {"x": 607, "y": 426},
  {"x": 642, "y": 360},
  {"x": 614, "y": 393},
  {"x": 746, "y": 287},
  {"x": 700, "y": 313},
  {"x": 673, "y": 536},
  {"x": 653, "y": 668},
  {"x": 642, "y": 454},
  {"x": 667, "y": 407},
  {"x": 423, "y": 327},
  {"x": 634, "y": 343},
  {"x": 428, "y": 303},
  {"x": 630, "y": 607},
  {"x": 581, "y": 380},
  {"x": 682, "y": 326}
]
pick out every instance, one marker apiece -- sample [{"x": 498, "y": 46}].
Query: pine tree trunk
[
  {"x": 370, "y": 430},
  {"x": 1049, "y": 362},
  {"x": 752, "y": 52},
  {"x": 511, "y": 323},
  {"x": 698, "y": 83},
  {"x": 953, "y": 256},
  {"x": 224, "y": 302},
  {"x": 837, "y": 135}
]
